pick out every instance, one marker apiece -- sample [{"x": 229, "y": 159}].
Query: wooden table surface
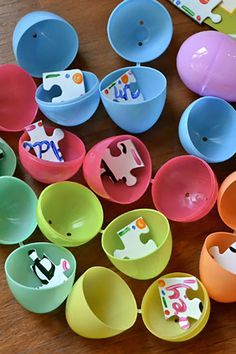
[{"x": 25, "y": 332}]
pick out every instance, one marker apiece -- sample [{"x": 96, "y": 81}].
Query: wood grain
[{"x": 23, "y": 332}]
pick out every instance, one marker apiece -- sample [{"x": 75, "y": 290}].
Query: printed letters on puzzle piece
[
  {"x": 124, "y": 90},
  {"x": 175, "y": 301},
  {"x": 45, "y": 146}
]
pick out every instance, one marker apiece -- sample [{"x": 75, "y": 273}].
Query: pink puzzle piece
[{"x": 120, "y": 167}]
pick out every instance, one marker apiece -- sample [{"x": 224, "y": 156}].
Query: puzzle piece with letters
[
  {"x": 120, "y": 167},
  {"x": 226, "y": 259},
  {"x": 46, "y": 271},
  {"x": 124, "y": 90},
  {"x": 71, "y": 83},
  {"x": 175, "y": 301},
  {"x": 45, "y": 146},
  {"x": 130, "y": 237}
]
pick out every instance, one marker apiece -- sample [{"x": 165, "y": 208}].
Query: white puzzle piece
[
  {"x": 45, "y": 146},
  {"x": 229, "y": 5},
  {"x": 199, "y": 10},
  {"x": 227, "y": 260},
  {"x": 71, "y": 83},
  {"x": 130, "y": 237},
  {"x": 124, "y": 90},
  {"x": 175, "y": 301},
  {"x": 47, "y": 272},
  {"x": 120, "y": 167}
]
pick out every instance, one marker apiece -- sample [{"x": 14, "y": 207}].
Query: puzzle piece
[
  {"x": 71, "y": 83},
  {"x": 45, "y": 146},
  {"x": 175, "y": 301},
  {"x": 130, "y": 237},
  {"x": 229, "y": 5},
  {"x": 227, "y": 259},
  {"x": 47, "y": 272},
  {"x": 125, "y": 89},
  {"x": 119, "y": 167},
  {"x": 199, "y": 10}
]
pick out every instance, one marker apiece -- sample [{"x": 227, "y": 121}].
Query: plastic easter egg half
[
  {"x": 170, "y": 329},
  {"x": 44, "y": 42},
  {"x": 217, "y": 265},
  {"x": 206, "y": 63},
  {"x": 69, "y": 214},
  {"x": 136, "y": 26},
  {"x": 226, "y": 201},
  {"x": 44, "y": 171},
  {"x": 207, "y": 129},
  {"x": 17, "y": 210},
  {"x": 185, "y": 189},
  {"x": 72, "y": 112},
  {"x": 111, "y": 155},
  {"x": 100, "y": 305},
  {"x": 130, "y": 116},
  {"x": 27, "y": 288},
  {"x": 17, "y": 90},
  {"x": 149, "y": 261}
]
